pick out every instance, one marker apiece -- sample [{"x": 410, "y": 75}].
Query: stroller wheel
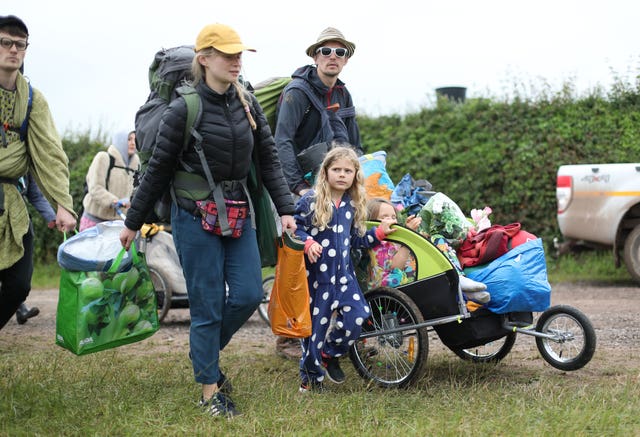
[
  {"x": 163, "y": 293},
  {"x": 394, "y": 359},
  {"x": 267, "y": 285}
]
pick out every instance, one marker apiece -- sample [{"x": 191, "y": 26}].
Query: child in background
[
  {"x": 391, "y": 263},
  {"x": 330, "y": 218}
]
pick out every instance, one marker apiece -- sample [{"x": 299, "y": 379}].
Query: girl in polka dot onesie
[{"x": 331, "y": 219}]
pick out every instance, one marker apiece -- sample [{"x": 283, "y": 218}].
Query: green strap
[
  {"x": 118, "y": 260},
  {"x": 194, "y": 111}
]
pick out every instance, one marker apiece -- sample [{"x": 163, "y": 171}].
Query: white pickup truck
[{"x": 599, "y": 206}]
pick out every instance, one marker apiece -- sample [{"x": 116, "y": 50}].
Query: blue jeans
[{"x": 208, "y": 261}]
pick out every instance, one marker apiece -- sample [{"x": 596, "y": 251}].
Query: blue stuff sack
[
  {"x": 517, "y": 280},
  {"x": 411, "y": 195},
  {"x": 377, "y": 182}
]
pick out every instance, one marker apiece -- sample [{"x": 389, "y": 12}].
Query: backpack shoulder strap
[
  {"x": 112, "y": 163},
  {"x": 25, "y": 122},
  {"x": 194, "y": 113},
  {"x": 313, "y": 97}
]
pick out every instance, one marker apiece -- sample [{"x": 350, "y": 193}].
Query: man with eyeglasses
[
  {"x": 44, "y": 158},
  {"x": 315, "y": 110}
]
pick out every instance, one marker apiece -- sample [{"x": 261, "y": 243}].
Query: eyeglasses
[
  {"x": 327, "y": 51},
  {"x": 7, "y": 43}
]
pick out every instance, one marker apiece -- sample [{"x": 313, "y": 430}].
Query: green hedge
[{"x": 505, "y": 154}]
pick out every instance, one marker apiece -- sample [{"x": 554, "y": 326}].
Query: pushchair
[
  {"x": 166, "y": 274},
  {"x": 393, "y": 346}
]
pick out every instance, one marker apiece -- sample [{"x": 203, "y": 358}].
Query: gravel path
[{"x": 613, "y": 310}]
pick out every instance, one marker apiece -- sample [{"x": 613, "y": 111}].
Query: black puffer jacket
[{"x": 227, "y": 144}]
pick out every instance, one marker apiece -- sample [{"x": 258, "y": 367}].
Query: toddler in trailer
[
  {"x": 392, "y": 264},
  {"x": 330, "y": 218}
]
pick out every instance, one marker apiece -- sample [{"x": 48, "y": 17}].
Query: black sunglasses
[{"x": 327, "y": 51}]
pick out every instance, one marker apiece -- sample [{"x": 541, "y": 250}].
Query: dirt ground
[{"x": 613, "y": 310}]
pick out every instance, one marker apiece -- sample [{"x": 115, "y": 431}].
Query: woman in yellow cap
[{"x": 209, "y": 261}]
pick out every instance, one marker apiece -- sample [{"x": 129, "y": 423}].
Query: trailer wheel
[
  {"x": 574, "y": 339},
  {"x": 491, "y": 352},
  {"x": 394, "y": 359}
]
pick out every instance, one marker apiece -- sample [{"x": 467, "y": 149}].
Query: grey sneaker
[{"x": 219, "y": 405}]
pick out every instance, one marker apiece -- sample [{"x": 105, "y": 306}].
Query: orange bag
[{"x": 289, "y": 311}]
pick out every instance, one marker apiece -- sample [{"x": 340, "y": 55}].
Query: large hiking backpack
[
  {"x": 169, "y": 74},
  {"x": 268, "y": 93}
]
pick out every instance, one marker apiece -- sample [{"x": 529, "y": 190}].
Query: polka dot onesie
[{"x": 332, "y": 284}]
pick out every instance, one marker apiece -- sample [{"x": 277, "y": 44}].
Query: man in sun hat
[
  {"x": 315, "y": 109},
  {"x": 300, "y": 124},
  {"x": 45, "y": 159}
]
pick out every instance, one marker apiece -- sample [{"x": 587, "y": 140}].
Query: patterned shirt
[
  {"x": 7, "y": 105},
  {"x": 381, "y": 274}
]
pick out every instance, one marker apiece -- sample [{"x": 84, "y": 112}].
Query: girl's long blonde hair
[
  {"x": 324, "y": 206},
  {"x": 197, "y": 70}
]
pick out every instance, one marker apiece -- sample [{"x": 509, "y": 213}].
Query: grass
[
  {"x": 135, "y": 391},
  {"x": 592, "y": 266},
  {"x": 45, "y": 276},
  {"x": 119, "y": 393}
]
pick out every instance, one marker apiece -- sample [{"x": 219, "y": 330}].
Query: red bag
[
  {"x": 486, "y": 245},
  {"x": 289, "y": 309},
  {"x": 521, "y": 238}
]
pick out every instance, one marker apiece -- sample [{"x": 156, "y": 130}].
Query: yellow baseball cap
[{"x": 222, "y": 38}]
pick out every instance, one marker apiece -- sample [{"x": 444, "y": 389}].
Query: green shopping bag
[{"x": 104, "y": 310}]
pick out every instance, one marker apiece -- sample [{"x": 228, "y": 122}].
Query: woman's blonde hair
[
  {"x": 324, "y": 205},
  {"x": 198, "y": 72}
]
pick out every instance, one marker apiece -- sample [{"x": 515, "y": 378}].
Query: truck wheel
[{"x": 632, "y": 253}]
